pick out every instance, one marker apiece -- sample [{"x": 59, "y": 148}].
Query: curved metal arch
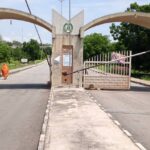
[
  {"x": 6, "y": 13},
  {"x": 141, "y": 19}
]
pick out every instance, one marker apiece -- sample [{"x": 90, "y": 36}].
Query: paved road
[
  {"x": 130, "y": 108},
  {"x": 23, "y": 99}
]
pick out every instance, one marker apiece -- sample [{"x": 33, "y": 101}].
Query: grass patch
[
  {"x": 18, "y": 64},
  {"x": 146, "y": 78},
  {"x": 144, "y": 75}
]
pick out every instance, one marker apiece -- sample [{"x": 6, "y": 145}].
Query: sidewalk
[
  {"x": 76, "y": 122},
  {"x": 24, "y": 68},
  {"x": 139, "y": 81}
]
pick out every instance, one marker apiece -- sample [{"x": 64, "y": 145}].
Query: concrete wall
[{"x": 107, "y": 82}]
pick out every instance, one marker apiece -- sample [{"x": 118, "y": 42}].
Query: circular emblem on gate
[{"x": 68, "y": 27}]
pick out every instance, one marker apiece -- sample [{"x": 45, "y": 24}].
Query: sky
[{"x": 93, "y": 9}]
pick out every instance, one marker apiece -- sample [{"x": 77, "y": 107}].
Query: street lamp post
[
  {"x": 61, "y": 1},
  {"x": 69, "y": 11}
]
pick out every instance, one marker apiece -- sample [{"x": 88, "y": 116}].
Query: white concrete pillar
[{"x": 60, "y": 38}]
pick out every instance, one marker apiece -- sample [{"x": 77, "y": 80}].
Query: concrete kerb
[
  {"x": 41, "y": 145},
  {"x": 23, "y": 68},
  {"x": 139, "y": 81}
]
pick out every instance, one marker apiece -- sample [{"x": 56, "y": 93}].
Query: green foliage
[
  {"x": 1, "y": 38},
  {"x": 138, "y": 8},
  {"x": 48, "y": 50},
  {"x": 4, "y": 52},
  {"x": 134, "y": 37},
  {"x": 12, "y": 52},
  {"x": 32, "y": 50},
  {"x": 17, "y": 54},
  {"x": 95, "y": 44},
  {"x": 141, "y": 74},
  {"x": 117, "y": 46},
  {"x": 16, "y": 44}
]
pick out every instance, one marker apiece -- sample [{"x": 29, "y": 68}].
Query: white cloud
[{"x": 9, "y": 39}]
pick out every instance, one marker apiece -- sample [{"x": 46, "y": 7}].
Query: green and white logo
[{"x": 68, "y": 27}]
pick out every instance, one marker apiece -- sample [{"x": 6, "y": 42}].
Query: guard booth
[{"x": 67, "y": 64}]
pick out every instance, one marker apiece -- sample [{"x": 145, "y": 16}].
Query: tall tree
[
  {"x": 32, "y": 49},
  {"x": 17, "y": 54},
  {"x": 1, "y": 39},
  {"x": 134, "y": 37},
  {"x": 95, "y": 44},
  {"x": 4, "y": 52}
]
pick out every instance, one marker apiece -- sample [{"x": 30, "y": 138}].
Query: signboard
[
  {"x": 67, "y": 63},
  {"x": 68, "y": 27},
  {"x": 57, "y": 60},
  {"x": 67, "y": 60},
  {"x": 24, "y": 60}
]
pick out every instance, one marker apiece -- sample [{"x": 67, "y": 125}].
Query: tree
[
  {"x": 4, "y": 52},
  {"x": 1, "y": 39},
  {"x": 134, "y": 37},
  {"x": 32, "y": 49},
  {"x": 17, "y": 54},
  {"x": 95, "y": 44},
  {"x": 48, "y": 50},
  {"x": 16, "y": 44}
]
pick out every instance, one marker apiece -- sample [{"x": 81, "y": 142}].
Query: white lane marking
[
  {"x": 99, "y": 105},
  {"x": 47, "y": 111},
  {"x": 42, "y": 137},
  {"x": 116, "y": 122},
  {"x": 95, "y": 101},
  {"x": 102, "y": 108},
  {"x": 109, "y": 115},
  {"x": 140, "y": 146},
  {"x": 127, "y": 132}
]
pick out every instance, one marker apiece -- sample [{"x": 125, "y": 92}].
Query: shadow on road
[
  {"x": 140, "y": 89},
  {"x": 133, "y": 88},
  {"x": 25, "y": 86}
]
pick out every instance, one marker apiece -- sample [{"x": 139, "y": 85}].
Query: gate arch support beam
[
  {"x": 141, "y": 19},
  {"x": 6, "y": 13}
]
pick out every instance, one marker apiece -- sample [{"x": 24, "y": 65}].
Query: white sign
[
  {"x": 57, "y": 60},
  {"x": 24, "y": 60},
  {"x": 67, "y": 60}
]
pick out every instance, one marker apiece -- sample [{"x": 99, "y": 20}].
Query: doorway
[{"x": 67, "y": 64}]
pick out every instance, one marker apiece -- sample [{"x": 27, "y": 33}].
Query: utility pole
[
  {"x": 69, "y": 21},
  {"x": 61, "y": 1},
  {"x": 49, "y": 63},
  {"x": 69, "y": 11}
]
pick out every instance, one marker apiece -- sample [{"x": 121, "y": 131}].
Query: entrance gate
[
  {"x": 108, "y": 73},
  {"x": 71, "y": 32}
]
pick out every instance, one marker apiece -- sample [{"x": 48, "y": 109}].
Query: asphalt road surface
[
  {"x": 130, "y": 108},
  {"x": 23, "y": 99}
]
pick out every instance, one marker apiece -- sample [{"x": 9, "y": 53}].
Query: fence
[{"x": 108, "y": 72}]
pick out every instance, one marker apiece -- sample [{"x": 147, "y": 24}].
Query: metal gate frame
[{"x": 108, "y": 74}]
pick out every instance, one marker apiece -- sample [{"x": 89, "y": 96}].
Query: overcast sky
[{"x": 23, "y": 31}]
